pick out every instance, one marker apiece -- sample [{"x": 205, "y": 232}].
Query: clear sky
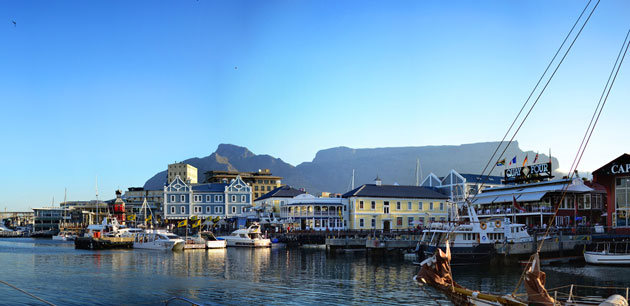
[{"x": 119, "y": 89}]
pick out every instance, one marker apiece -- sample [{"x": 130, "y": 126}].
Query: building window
[
  {"x": 233, "y": 209},
  {"x": 243, "y": 199},
  {"x": 419, "y": 205},
  {"x": 182, "y": 209},
  {"x": 410, "y": 221},
  {"x": 256, "y": 188},
  {"x": 374, "y": 205},
  {"x": 182, "y": 198},
  {"x": 430, "y": 205},
  {"x": 207, "y": 209},
  {"x": 441, "y": 206},
  {"x": 172, "y": 209},
  {"x": 399, "y": 221},
  {"x": 208, "y": 198},
  {"x": 268, "y": 188},
  {"x": 233, "y": 199},
  {"x": 622, "y": 202},
  {"x": 218, "y": 210},
  {"x": 218, "y": 198},
  {"x": 360, "y": 204},
  {"x": 409, "y": 205},
  {"x": 197, "y": 209},
  {"x": 373, "y": 223},
  {"x": 172, "y": 199},
  {"x": 361, "y": 222},
  {"x": 243, "y": 209},
  {"x": 197, "y": 198}
]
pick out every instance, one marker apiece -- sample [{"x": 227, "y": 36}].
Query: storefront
[{"x": 615, "y": 177}]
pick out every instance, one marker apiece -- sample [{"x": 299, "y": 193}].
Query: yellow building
[
  {"x": 261, "y": 181},
  {"x": 186, "y": 172},
  {"x": 394, "y": 207}
]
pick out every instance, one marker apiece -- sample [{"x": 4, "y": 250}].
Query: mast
[
  {"x": 98, "y": 207},
  {"x": 352, "y": 180}
]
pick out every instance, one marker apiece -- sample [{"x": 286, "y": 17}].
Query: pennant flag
[
  {"x": 182, "y": 223},
  {"x": 149, "y": 218},
  {"x": 536, "y": 158},
  {"x": 501, "y": 163},
  {"x": 196, "y": 224},
  {"x": 525, "y": 161},
  {"x": 131, "y": 217},
  {"x": 513, "y": 161},
  {"x": 516, "y": 204}
]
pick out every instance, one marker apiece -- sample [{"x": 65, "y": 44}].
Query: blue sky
[{"x": 119, "y": 89}]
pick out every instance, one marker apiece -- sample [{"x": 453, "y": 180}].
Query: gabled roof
[
  {"x": 605, "y": 169},
  {"x": 285, "y": 191},
  {"x": 211, "y": 187},
  {"x": 395, "y": 191}
]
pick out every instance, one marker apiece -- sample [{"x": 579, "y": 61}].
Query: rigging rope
[{"x": 29, "y": 294}]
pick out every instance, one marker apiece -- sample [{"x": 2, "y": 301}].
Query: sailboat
[{"x": 64, "y": 235}]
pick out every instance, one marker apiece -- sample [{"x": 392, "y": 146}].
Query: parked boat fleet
[{"x": 113, "y": 235}]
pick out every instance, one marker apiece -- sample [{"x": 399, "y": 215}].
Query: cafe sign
[
  {"x": 531, "y": 172},
  {"x": 620, "y": 169}
]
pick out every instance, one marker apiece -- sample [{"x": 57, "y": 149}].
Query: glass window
[
  {"x": 172, "y": 199},
  {"x": 373, "y": 223},
  {"x": 410, "y": 221},
  {"x": 361, "y": 222},
  {"x": 374, "y": 205},
  {"x": 182, "y": 198},
  {"x": 233, "y": 199},
  {"x": 409, "y": 205},
  {"x": 398, "y": 205},
  {"x": 233, "y": 209},
  {"x": 207, "y": 198},
  {"x": 172, "y": 209},
  {"x": 182, "y": 209},
  {"x": 207, "y": 209},
  {"x": 430, "y": 205},
  {"x": 360, "y": 204},
  {"x": 622, "y": 197},
  {"x": 243, "y": 199},
  {"x": 419, "y": 205},
  {"x": 399, "y": 221},
  {"x": 441, "y": 206}
]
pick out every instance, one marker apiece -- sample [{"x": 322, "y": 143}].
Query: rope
[
  {"x": 492, "y": 158},
  {"x": 29, "y": 294}
]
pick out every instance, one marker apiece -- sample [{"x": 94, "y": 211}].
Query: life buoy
[
  {"x": 484, "y": 225},
  {"x": 497, "y": 224}
]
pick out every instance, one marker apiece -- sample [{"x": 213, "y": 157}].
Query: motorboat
[
  {"x": 609, "y": 253},
  {"x": 194, "y": 242},
  {"x": 249, "y": 237},
  {"x": 212, "y": 242},
  {"x": 64, "y": 236},
  {"x": 158, "y": 240}
]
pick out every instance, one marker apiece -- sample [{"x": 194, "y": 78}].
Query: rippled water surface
[{"x": 56, "y": 272}]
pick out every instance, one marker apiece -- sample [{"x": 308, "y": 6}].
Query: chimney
[{"x": 377, "y": 181}]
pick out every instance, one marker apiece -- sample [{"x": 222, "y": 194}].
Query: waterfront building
[
  {"x": 183, "y": 200},
  {"x": 261, "y": 181},
  {"x": 459, "y": 186},
  {"x": 186, "y": 172},
  {"x": 535, "y": 203},
  {"x": 385, "y": 207},
  {"x": 17, "y": 218},
  {"x": 47, "y": 218},
  {"x": 83, "y": 213},
  {"x": 135, "y": 196},
  {"x": 272, "y": 202},
  {"x": 615, "y": 179},
  {"x": 307, "y": 212}
]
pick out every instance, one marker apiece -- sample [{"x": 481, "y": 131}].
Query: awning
[
  {"x": 483, "y": 200},
  {"x": 527, "y": 197},
  {"x": 504, "y": 198}
]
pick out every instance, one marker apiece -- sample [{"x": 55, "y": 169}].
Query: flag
[
  {"x": 516, "y": 204},
  {"x": 182, "y": 223},
  {"x": 193, "y": 218},
  {"x": 216, "y": 219},
  {"x": 536, "y": 158},
  {"x": 131, "y": 217},
  {"x": 513, "y": 161},
  {"x": 525, "y": 161},
  {"x": 196, "y": 224},
  {"x": 501, "y": 163},
  {"x": 148, "y": 219}
]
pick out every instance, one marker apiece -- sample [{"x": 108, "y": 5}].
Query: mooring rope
[{"x": 27, "y": 293}]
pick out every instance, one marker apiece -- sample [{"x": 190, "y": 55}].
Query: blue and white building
[{"x": 183, "y": 200}]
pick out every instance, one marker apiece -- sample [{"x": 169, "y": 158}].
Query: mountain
[{"x": 331, "y": 169}]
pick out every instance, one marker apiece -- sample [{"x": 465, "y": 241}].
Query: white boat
[
  {"x": 195, "y": 242},
  {"x": 250, "y": 237},
  {"x": 609, "y": 253},
  {"x": 64, "y": 236},
  {"x": 158, "y": 240},
  {"x": 212, "y": 242}
]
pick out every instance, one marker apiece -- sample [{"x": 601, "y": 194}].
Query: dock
[{"x": 91, "y": 243}]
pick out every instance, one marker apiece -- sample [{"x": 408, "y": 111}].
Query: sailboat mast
[{"x": 98, "y": 206}]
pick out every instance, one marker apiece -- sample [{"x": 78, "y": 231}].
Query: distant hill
[{"x": 331, "y": 169}]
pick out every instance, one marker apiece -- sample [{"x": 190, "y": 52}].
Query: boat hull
[
  {"x": 160, "y": 245},
  {"x": 217, "y": 244},
  {"x": 90, "y": 243},
  {"x": 598, "y": 258},
  {"x": 248, "y": 243}
]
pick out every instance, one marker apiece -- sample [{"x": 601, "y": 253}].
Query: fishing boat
[
  {"x": 158, "y": 240},
  {"x": 472, "y": 242},
  {"x": 249, "y": 237},
  {"x": 609, "y": 253},
  {"x": 212, "y": 242}
]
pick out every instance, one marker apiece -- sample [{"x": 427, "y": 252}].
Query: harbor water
[{"x": 58, "y": 273}]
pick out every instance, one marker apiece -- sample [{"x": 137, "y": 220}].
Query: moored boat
[
  {"x": 212, "y": 242},
  {"x": 64, "y": 236},
  {"x": 158, "y": 240},
  {"x": 250, "y": 237},
  {"x": 609, "y": 253}
]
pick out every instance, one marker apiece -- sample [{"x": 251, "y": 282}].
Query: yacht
[
  {"x": 250, "y": 237},
  {"x": 157, "y": 240},
  {"x": 64, "y": 236},
  {"x": 472, "y": 242},
  {"x": 195, "y": 242},
  {"x": 212, "y": 242},
  {"x": 609, "y": 253}
]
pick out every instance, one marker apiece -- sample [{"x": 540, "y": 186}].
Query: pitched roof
[
  {"x": 605, "y": 169},
  {"x": 395, "y": 191},
  {"x": 487, "y": 179},
  {"x": 285, "y": 191},
  {"x": 211, "y": 187}
]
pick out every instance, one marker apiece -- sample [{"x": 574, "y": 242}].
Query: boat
[
  {"x": 472, "y": 242},
  {"x": 249, "y": 237},
  {"x": 609, "y": 253},
  {"x": 158, "y": 240},
  {"x": 212, "y": 242},
  {"x": 64, "y": 236},
  {"x": 194, "y": 242}
]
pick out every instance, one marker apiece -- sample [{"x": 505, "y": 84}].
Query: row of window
[
  {"x": 262, "y": 188},
  {"x": 399, "y": 221},
  {"x": 217, "y": 198},
  {"x": 199, "y": 209},
  {"x": 399, "y": 206}
]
